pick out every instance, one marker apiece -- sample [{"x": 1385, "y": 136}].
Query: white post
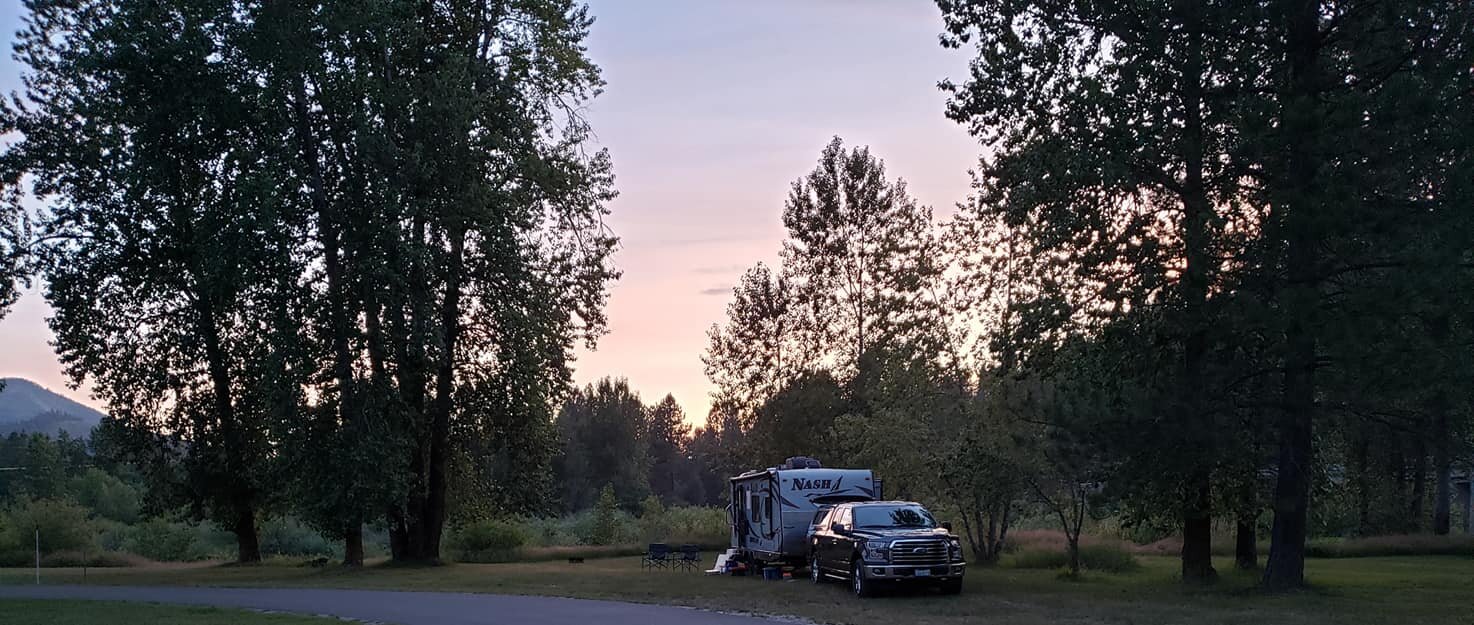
[{"x": 38, "y": 555}]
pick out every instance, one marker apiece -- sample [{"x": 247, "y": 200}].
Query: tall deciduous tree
[
  {"x": 758, "y": 349},
  {"x": 1113, "y": 149},
  {"x": 164, "y": 241},
  {"x": 666, "y": 432},
  {"x": 602, "y": 428},
  {"x": 862, "y": 261},
  {"x": 1368, "y": 171}
]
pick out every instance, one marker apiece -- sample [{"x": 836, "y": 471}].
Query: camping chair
[
  {"x": 657, "y": 556},
  {"x": 690, "y": 557}
]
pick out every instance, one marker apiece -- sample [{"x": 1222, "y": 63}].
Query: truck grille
[{"x": 919, "y": 552}]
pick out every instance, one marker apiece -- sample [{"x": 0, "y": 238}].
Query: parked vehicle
[
  {"x": 877, "y": 542},
  {"x": 773, "y": 509}
]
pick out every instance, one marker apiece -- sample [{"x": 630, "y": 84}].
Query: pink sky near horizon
[{"x": 711, "y": 110}]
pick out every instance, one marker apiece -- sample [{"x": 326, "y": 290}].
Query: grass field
[
  {"x": 1424, "y": 589},
  {"x": 31, "y": 612}
]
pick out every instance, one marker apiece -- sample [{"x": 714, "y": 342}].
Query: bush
[
  {"x": 162, "y": 540},
  {"x": 1102, "y": 557},
  {"x": 654, "y": 524},
  {"x": 605, "y": 528},
  {"x": 698, "y": 525},
  {"x": 100, "y": 559},
  {"x": 107, "y": 496},
  {"x": 1396, "y": 545},
  {"x": 63, "y": 524},
  {"x": 487, "y": 541},
  {"x": 288, "y": 536},
  {"x": 1108, "y": 558},
  {"x": 1037, "y": 559}
]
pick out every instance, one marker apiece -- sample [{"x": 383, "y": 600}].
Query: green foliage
[
  {"x": 95, "y": 559},
  {"x": 604, "y": 446},
  {"x": 604, "y": 529},
  {"x": 162, "y": 540},
  {"x": 487, "y": 541},
  {"x": 106, "y": 496},
  {"x": 1102, "y": 558},
  {"x": 63, "y": 526},
  {"x": 1385, "y": 546},
  {"x": 654, "y": 521},
  {"x": 289, "y": 536}
]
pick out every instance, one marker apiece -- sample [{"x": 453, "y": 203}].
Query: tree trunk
[
  {"x": 1245, "y": 546},
  {"x": 1420, "y": 485},
  {"x": 1286, "y": 566},
  {"x": 1197, "y": 534},
  {"x": 247, "y": 542},
  {"x": 1363, "y": 489},
  {"x": 353, "y": 545},
  {"x": 1194, "y": 422},
  {"x": 235, "y": 479},
  {"x": 1443, "y": 480},
  {"x": 432, "y": 516},
  {"x": 398, "y": 537},
  {"x": 1074, "y": 552}
]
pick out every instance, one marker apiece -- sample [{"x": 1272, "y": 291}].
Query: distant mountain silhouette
[{"x": 29, "y": 407}]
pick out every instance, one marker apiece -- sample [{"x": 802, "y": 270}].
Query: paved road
[{"x": 402, "y": 608}]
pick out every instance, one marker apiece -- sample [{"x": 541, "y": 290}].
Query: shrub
[
  {"x": 100, "y": 559},
  {"x": 1108, "y": 558},
  {"x": 288, "y": 536},
  {"x": 605, "y": 530},
  {"x": 162, "y": 540},
  {"x": 1102, "y": 557},
  {"x": 107, "y": 496},
  {"x": 698, "y": 525},
  {"x": 63, "y": 527},
  {"x": 212, "y": 543},
  {"x": 654, "y": 524},
  {"x": 1396, "y": 545},
  {"x": 1038, "y": 559},
  {"x": 487, "y": 541}
]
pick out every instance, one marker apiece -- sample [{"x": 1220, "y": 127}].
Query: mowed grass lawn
[
  {"x": 1428, "y": 589},
  {"x": 35, "y": 612}
]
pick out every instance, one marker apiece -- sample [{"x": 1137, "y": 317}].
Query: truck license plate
[{"x": 923, "y": 572}]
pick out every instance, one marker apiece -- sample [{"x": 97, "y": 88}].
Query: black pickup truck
[{"x": 873, "y": 542}]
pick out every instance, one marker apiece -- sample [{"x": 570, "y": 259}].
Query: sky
[{"x": 712, "y": 108}]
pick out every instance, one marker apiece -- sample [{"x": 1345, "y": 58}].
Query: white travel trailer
[{"x": 772, "y": 508}]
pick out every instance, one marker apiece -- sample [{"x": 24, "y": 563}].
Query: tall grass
[
  {"x": 1106, "y": 558},
  {"x": 1399, "y": 545}
]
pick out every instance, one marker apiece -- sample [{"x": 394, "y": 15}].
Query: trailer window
[{"x": 754, "y": 507}]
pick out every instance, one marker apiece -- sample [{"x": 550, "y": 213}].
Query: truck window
[{"x": 820, "y": 516}]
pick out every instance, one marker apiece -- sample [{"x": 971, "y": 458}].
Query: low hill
[{"x": 29, "y": 407}]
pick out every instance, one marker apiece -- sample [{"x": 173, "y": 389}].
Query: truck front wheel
[{"x": 862, "y": 587}]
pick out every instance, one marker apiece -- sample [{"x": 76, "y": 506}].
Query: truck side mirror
[
  {"x": 947, "y": 525},
  {"x": 839, "y": 528}
]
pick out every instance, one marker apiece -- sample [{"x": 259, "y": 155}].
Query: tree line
[
  {"x": 1216, "y": 266},
  {"x": 331, "y": 257}
]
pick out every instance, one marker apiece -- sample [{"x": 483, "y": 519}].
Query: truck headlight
[
  {"x": 954, "y": 548},
  {"x": 877, "y": 552}
]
